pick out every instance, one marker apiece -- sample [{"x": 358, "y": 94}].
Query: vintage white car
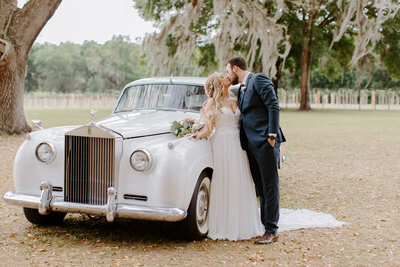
[{"x": 127, "y": 165}]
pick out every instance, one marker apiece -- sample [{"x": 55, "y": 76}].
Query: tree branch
[
  {"x": 329, "y": 18},
  {"x": 325, "y": 22},
  {"x": 29, "y": 21},
  {"x": 7, "y": 8}
]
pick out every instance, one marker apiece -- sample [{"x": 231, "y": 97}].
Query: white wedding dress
[{"x": 233, "y": 209}]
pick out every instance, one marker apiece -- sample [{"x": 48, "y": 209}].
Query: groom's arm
[{"x": 265, "y": 90}]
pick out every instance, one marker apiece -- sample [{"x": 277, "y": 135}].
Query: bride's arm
[
  {"x": 202, "y": 134},
  {"x": 207, "y": 129}
]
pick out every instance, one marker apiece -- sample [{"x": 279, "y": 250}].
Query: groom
[{"x": 260, "y": 136}]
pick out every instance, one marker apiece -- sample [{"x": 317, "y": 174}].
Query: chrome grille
[{"x": 89, "y": 169}]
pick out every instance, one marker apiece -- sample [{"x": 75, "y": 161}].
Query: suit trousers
[{"x": 264, "y": 162}]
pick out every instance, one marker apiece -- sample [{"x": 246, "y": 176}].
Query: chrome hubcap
[{"x": 202, "y": 205}]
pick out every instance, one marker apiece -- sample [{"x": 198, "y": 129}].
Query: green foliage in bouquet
[{"x": 181, "y": 128}]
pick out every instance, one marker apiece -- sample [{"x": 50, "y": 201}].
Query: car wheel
[
  {"x": 195, "y": 224},
  {"x": 35, "y": 217}
]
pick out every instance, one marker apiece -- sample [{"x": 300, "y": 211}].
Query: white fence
[
  {"x": 319, "y": 98},
  {"x": 343, "y": 99},
  {"x": 71, "y": 100}
]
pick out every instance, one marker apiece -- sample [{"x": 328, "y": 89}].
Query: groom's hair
[{"x": 238, "y": 61}]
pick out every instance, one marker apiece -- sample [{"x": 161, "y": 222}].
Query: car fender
[
  {"x": 200, "y": 161},
  {"x": 29, "y": 172},
  {"x": 177, "y": 166}
]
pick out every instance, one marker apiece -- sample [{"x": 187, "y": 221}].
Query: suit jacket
[{"x": 260, "y": 112}]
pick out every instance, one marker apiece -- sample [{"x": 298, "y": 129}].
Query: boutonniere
[{"x": 243, "y": 89}]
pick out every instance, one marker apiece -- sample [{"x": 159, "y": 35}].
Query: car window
[
  {"x": 234, "y": 89},
  {"x": 162, "y": 96}
]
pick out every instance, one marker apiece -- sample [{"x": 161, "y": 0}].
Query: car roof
[{"x": 200, "y": 81}]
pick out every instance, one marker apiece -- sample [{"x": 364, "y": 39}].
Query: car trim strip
[{"x": 140, "y": 136}]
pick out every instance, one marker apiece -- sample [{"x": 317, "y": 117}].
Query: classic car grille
[{"x": 89, "y": 169}]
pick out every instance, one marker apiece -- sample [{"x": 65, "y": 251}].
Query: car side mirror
[{"x": 37, "y": 124}]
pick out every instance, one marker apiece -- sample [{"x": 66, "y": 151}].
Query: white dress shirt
[{"x": 245, "y": 79}]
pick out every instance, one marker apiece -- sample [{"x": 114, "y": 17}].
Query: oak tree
[
  {"x": 19, "y": 28},
  {"x": 264, "y": 32}
]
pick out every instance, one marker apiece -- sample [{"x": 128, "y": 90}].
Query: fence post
[
  {"x": 373, "y": 100},
  {"x": 344, "y": 104}
]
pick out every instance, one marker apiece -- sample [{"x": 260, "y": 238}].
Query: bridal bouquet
[{"x": 186, "y": 126}]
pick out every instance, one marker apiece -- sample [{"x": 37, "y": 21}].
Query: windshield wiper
[
  {"x": 163, "y": 109},
  {"x": 177, "y": 109}
]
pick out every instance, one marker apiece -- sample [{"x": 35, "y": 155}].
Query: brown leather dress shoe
[{"x": 267, "y": 238}]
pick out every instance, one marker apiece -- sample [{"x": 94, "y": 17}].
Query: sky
[{"x": 98, "y": 20}]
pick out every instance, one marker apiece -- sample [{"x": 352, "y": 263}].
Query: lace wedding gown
[{"x": 233, "y": 210}]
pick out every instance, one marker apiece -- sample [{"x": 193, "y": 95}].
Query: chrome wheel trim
[{"x": 202, "y": 203}]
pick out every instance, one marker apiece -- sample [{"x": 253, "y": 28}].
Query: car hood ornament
[
  {"x": 92, "y": 113},
  {"x": 93, "y": 129}
]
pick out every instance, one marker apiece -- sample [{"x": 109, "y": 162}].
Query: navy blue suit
[{"x": 259, "y": 109}]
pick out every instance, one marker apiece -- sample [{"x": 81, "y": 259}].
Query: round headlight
[
  {"x": 141, "y": 160},
  {"x": 45, "y": 152}
]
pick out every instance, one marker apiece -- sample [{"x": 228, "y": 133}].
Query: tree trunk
[
  {"x": 275, "y": 80},
  {"x": 18, "y": 30},
  {"x": 306, "y": 62},
  {"x": 12, "y": 72}
]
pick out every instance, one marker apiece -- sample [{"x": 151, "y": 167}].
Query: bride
[{"x": 233, "y": 210}]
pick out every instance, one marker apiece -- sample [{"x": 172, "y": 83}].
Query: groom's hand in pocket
[{"x": 271, "y": 141}]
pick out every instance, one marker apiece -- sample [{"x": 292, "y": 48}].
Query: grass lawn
[
  {"x": 345, "y": 163},
  {"x": 58, "y": 117}
]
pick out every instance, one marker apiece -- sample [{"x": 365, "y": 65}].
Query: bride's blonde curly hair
[{"x": 214, "y": 90}]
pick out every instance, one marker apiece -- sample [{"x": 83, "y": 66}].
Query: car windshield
[{"x": 162, "y": 96}]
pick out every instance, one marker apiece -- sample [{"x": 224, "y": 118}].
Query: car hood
[{"x": 144, "y": 122}]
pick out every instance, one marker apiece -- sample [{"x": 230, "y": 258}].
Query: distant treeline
[
  {"x": 90, "y": 67},
  {"x": 93, "y": 67},
  {"x": 379, "y": 79}
]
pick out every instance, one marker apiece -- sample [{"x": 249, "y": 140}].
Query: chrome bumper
[{"x": 46, "y": 203}]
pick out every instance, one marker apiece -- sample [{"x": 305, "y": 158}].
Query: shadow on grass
[{"x": 120, "y": 232}]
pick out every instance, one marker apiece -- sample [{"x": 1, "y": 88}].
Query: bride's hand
[{"x": 196, "y": 136}]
